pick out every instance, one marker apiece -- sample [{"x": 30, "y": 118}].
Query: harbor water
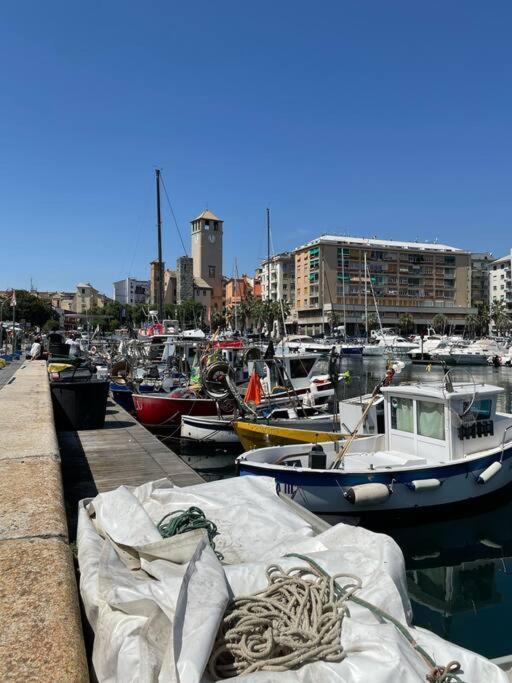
[{"x": 459, "y": 564}]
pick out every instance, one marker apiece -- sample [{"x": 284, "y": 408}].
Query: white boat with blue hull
[{"x": 443, "y": 444}]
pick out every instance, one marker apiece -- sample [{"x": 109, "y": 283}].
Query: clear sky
[{"x": 365, "y": 117}]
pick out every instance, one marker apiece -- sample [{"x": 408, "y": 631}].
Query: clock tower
[{"x": 206, "y": 233}]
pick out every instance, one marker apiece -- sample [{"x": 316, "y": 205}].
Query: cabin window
[
  {"x": 402, "y": 417},
  {"x": 480, "y": 410},
  {"x": 430, "y": 418},
  {"x": 300, "y": 367}
]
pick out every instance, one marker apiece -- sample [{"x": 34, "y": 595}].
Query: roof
[
  {"x": 199, "y": 282},
  {"x": 503, "y": 259},
  {"x": 374, "y": 242},
  {"x": 87, "y": 284},
  {"x": 438, "y": 390},
  {"x": 208, "y": 216}
]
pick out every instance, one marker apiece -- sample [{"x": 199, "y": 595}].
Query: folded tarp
[{"x": 155, "y": 604}]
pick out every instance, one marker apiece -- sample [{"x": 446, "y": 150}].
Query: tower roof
[{"x": 207, "y": 215}]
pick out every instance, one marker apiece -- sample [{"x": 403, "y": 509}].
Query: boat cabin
[
  {"x": 433, "y": 422},
  {"x": 294, "y": 372}
]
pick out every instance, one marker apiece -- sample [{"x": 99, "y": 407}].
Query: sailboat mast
[
  {"x": 268, "y": 254},
  {"x": 343, "y": 292},
  {"x": 160, "y": 291},
  {"x": 365, "y": 297}
]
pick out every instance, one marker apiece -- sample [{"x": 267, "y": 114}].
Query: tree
[
  {"x": 439, "y": 323},
  {"x": 32, "y": 309},
  {"x": 406, "y": 323},
  {"x": 372, "y": 322},
  {"x": 499, "y": 317},
  {"x": 218, "y": 319},
  {"x": 50, "y": 326},
  {"x": 471, "y": 324},
  {"x": 483, "y": 319}
]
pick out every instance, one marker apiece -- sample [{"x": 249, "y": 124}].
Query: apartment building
[
  {"x": 420, "y": 278},
  {"x": 480, "y": 265},
  {"x": 282, "y": 277},
  {"x": 500, "y": 281},
  {"x": 88, "y": 297},
  {"x": 131, "y": 291}
]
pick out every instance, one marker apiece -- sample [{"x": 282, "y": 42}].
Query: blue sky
[{"x": 362, "y": 117}]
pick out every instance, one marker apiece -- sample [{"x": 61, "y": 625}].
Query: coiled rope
[
  {"x": 181, "y": 521},
  {"x": 437, "y": 673},
  {"x": 296, "y": 620}
]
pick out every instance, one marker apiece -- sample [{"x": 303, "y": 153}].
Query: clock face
[{"x": 212, "y": 238}]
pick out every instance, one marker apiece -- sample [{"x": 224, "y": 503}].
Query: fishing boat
[
  {"x": 443, "y": 444},
  {"x": 279, "y": 432},
  {"x": 166, "y": 410},
  {"x": 231, "y": 430}
]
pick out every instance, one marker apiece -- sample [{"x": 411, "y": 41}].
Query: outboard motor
[{"x": 317, "y": 459}]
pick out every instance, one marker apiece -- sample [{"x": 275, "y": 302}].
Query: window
[
  {"x": 211, "y": 271},
  {"x": 480, "y": 410},
  {"x": 430, "y": 418},
  {"x": 207, "y": 225},
  {"x": 301, "y": 367},
  {"x": 401, "y": 414}
]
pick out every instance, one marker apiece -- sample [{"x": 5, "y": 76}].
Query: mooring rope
[
  {"x": 181, "y": 521},
  {"x": 437, "y": 673},
  {"x": 296, "y": 620}
]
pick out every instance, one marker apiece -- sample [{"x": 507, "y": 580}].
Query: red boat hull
[{"x": 164, "y": 411}]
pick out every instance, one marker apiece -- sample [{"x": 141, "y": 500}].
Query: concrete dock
[
  {"x": 40, "y": 627},
  {"x": 123, "y": 452}
]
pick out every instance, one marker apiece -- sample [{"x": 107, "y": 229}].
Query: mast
[
  {"x": 160, "y": 291},
  {"x": 268, "y": 254},
  {"x": 343, "y": 292},
  {"x": 365, "y": 297}
]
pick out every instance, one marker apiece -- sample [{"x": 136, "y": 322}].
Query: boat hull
[
  {"x": 254, "y": 435},
  {"x": 164, "y": 411},
  {"x": 214, "y": 429},
  {"x": 323, "y": 491}
]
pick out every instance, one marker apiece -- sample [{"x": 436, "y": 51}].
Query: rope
[
  {"x": 181, "y": 521},
  {"x": 295, "y": 621},
  {"x": 437, "y": 673}
]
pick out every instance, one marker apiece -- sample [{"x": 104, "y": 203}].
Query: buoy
[
  {"x": 369, "y": 494},
  {"x": 489, "y": 472},
  {"x": 424, "y": 484}
]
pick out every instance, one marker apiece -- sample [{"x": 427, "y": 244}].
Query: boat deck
[{"x": 123, "y": 452}]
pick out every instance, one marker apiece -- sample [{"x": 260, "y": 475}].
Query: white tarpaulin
[{"x": 155, "y": 604}]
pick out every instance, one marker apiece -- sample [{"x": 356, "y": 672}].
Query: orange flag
[{"x": 253, "y": 392}]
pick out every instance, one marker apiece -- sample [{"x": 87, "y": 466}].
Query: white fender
[
  {"x": 368, "y": 494},
  {"x": 425, "y": 484},
  {"x": 489, "y": 472}
]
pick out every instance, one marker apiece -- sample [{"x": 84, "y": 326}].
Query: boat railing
[{"x": 503, "y": 442}]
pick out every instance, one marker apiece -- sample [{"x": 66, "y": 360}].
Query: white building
[
  {"x": 131, "y": 291},
  {"x": 282, "y": 278},
  {"x": 500, "y": 287}
]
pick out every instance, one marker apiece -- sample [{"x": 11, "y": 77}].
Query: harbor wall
[{"x": 40, "y": 628}]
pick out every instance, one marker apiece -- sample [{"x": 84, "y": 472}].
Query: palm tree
[
  {"x": 471, "y": 324},
  {"x": 483, "y": 319},
  {"x": 406, "y": 323},
  {"x": 439, "y": 323},
  {"x": 499, "y": 316}
]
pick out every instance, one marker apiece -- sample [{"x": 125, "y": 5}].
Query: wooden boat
[
  {"x": 276, "y": 432},
  {"x": 257, "y": 435},
  {"x": 166, "y": 410},
  {"x": 443, "y": 444}
]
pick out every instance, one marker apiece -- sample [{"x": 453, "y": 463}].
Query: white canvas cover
[{"x": 155, "y": 604}]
